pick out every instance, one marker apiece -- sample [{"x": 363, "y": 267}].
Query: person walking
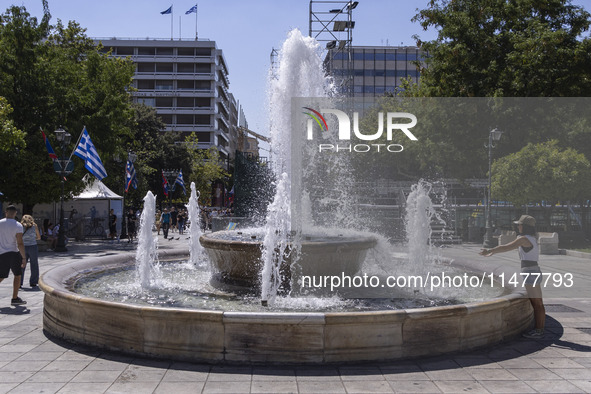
[
  {"x": 112, "y": 224},
  {"x": 529, "y": 252},
  {"x": 165, "y": 222},
  {"x": 12, "y": 252},
  {"x": 30, "y": 237},
  {"x": 131, "y": 228}
]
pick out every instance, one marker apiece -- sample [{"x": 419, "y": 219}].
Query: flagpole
[
  {"x": 180, "y": 29},
  {"x": 77, "y": 142},
  {"x": 196, "y": 11},
  {"x": 171, "y": 20}
]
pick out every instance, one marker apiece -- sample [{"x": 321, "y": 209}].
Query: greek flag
[
  {"x": 180, "y": 181},
  {"x": 87, "y": 152},
  {"x": 191, "y": 10},
  {"x": 130, "y": 176},
  {"x": 168, "y": 11}
]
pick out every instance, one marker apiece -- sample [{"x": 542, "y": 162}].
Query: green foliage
[
  {"x": 10, "y": 136},
  {"x": 206, "y": 168},
  {"x": 541, "y": 172},
  {"x": 54, "y": 76},
  {"x": 512, "y": 48}
]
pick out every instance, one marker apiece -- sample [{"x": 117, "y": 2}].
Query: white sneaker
[{"x": 534, "y": 334}]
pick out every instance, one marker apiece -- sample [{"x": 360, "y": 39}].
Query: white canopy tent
[{"x": 92, "y": 206}]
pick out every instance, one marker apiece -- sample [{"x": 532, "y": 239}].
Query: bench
[{"x": 548, "y": 243}]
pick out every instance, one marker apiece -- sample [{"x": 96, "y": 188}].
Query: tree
[
  {"x": 10, "y": 136},
  {"x": 522, "y": 48},
  {"x": 205, "y": 168},
  {"x": 54, "y": 76},
  {"x": 541, "y": 172}
]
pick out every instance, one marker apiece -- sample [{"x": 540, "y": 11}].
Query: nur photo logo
[{"x": 395, "y": 122}]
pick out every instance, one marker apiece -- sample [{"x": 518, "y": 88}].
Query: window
[
  {"x": 368, "y": 56},
  {"x": 380, "y": 73},
  {"x": 150, "y": 101},
  {"x": 185, "y": 85},
  {"x": 164, "y": 68},
  {"x": 164, "y": 102},
  {"x": 411, "y": 57},
  {"x": 390, "y": 57},
  {"x": 164, "y": 51},
  {"x": 380, "y": 89},
  {"x": 202, "y": 85},
  {"x": 203, "y": 137},
  {"x": 145, "y": 68},
  {"x": 390, "y": 73},
  {"x": 203, "y": 68},
  {"x": 203, "y": 51},
  {"x": 184, "y": 68},
  {"x": 202, "y": 119},
  {"x": 184, "y": 102},
  {"x": 163, "y": 85},
  {"x": 202, "y": 102},
  {"x": 369, "y": 73},
  {"x": 380, "y": 56},
  {"x": 358, "y": 56},
  {"x": 358, "y": 73},
  {"x": 184, "y": 119},
  {"x": 146, "y": 51},
  {"x": 358, "y": 89},
  {"x": 166, "y": 118},
  {"x": 124, "y": 51},
  {"x": 186, "y": 51},
  {"x": 368, "y": 89},
  {"x": 143, "y": 84}
]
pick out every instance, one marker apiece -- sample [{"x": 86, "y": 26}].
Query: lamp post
[
  {"x": 63, "y": 167},
  {"x": 131, "y": 157},
  {"x": 493, "y": 135}
]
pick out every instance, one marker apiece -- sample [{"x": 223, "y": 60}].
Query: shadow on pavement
[{"x": 15, "y": 310}]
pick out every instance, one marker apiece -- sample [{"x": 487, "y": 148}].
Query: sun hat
[
  {"x": 527, "y": 220},
  {"x": 27, "y": 221}
]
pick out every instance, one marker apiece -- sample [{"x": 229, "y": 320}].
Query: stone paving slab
[{"x": 32, "y": 362}]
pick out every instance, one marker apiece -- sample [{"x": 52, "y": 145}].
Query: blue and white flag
[
  {"x": 87, "y": 152},
  {"x": 180, "y": 181},
  {"x": 130, "y": 176},
  {"x": 168, "y": 11},
  {"x": 191, "y": 10}
]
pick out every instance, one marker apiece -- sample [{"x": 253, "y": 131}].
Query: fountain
[{"x": 182, "y": 311}]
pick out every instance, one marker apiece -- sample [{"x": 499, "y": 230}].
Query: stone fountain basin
[
  {"x": 291, "y": 338},
  {"x": 235, "y": 257}
]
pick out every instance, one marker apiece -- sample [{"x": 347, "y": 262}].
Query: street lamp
[
  {"x": 63, "y": 167},
  {"x": 493, "y": 136}
]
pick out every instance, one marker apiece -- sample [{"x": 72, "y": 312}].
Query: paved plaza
[{"x": 32, "y": 362}]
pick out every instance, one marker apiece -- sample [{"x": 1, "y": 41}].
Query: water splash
[
  {"x": 419, "y": 214},
  {"x": 146, "y": 253},
  {"x": 196, "y": 253},
  {"x": 300, "y": 74}
]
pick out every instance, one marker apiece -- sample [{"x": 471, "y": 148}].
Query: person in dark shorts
[{"x": 12, "y": 252}]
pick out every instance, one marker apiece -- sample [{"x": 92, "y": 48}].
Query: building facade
[
  {"x": 186, "y": 81},
  {"x": 373, "y": 70}
]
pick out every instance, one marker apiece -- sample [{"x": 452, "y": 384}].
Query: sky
[{"x": 246, "y": 31}]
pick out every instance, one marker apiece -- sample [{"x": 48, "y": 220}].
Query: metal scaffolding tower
[
  {"x": 331, "y": 24},
  {"x": 274, "y": 62}
]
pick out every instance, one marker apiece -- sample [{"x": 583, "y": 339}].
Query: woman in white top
[{"x": 529, "y": 252}]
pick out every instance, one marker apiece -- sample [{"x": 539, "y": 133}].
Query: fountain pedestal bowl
[{"x": 235, "y": 258}]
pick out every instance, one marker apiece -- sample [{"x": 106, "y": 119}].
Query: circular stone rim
[{"x": 277, "y": 337}]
